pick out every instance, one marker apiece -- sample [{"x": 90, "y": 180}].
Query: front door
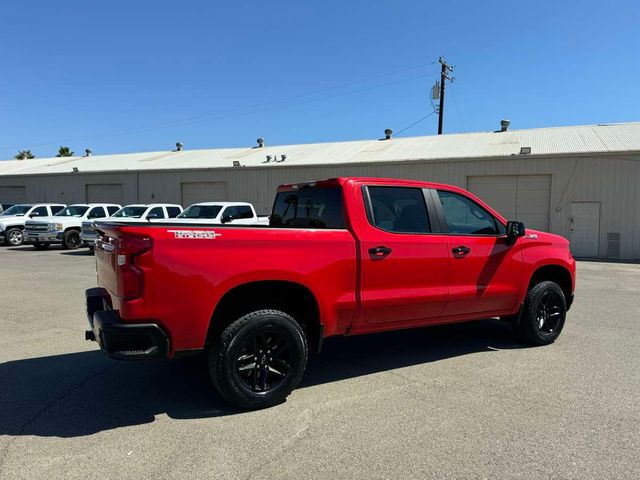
[
  {"x": 485, "y": 268},
  {"x": 404, "y": 266}
]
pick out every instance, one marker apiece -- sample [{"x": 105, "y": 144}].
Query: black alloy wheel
[
  {"x": 543, "y": 314},
  {"x": 259, "y": 359},
  {"x": 264, "y": 361},
  {"x": 549, "y": 312}
]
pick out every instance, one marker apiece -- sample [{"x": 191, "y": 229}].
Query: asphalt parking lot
[{"x": 460, "y": 401}]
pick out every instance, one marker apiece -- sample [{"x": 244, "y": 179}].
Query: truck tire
[
  {"x": 259, "y": 359},
  {"x": 543, "y": 314},
  {"x": 71, "y": 240},
  {"x": 41, "y": 246},
  {"x": 13, "y": 237}
]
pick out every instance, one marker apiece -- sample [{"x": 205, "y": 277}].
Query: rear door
[
  {"x": 485, "y": 267},
  {"x": 404, "y": 265}
]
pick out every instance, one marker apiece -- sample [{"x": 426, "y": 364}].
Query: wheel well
[
  {"x": 72, "y": 228},
  {"x": 556, "y": 274},
  {"x": 288, "y": 297}
]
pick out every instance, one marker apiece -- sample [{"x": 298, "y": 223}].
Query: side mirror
[
  {"x": 34, "y": 214},
  {"x": 151, "y": 216},
  {"x": 515, "y": 229},
  {"x": 226, "y": 218}
]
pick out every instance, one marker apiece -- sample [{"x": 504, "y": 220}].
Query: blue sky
[{"x": 126, "y": 76}]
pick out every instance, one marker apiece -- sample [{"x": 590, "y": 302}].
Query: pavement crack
[{"x": 309, "y": 419}]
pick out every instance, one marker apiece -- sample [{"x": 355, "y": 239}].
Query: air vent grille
[{"x": 613, "y": 245}]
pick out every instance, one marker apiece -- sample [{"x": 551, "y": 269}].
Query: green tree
[
  {"x": 24, "y": 154},
  {"x": 65, "y": 152}
]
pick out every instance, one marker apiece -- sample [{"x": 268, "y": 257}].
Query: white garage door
[
  {"x": 104, "y": 193},
  {"x": 196, "y": 192},
  {"x": 517, "y": 197},
  {"x": 13, "y": 194}
]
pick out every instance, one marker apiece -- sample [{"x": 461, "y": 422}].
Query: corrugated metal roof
[{"x": 623, "y": 137}]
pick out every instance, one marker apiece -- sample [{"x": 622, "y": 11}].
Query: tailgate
[{"x": 106, "y": 258}]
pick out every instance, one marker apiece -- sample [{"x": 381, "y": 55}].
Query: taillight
[{"x": 130, "y": 275}]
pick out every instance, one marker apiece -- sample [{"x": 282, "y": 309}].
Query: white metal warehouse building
[{"x": 580, "y": 182}]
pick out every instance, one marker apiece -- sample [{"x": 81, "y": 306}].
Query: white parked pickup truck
[
  {"x": 236, "y": 213},
  {"x": 12, "y": 219},
  {"x": 64, "y": 227},
  {"x": 136, "y": 213}
]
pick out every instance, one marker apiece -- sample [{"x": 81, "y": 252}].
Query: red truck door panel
[
  {"x": 484, "y": 268},
  {"x": 404, "y": 267}
]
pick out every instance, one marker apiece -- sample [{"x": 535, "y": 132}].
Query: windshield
[
  {"x": 201, "y": 211},
  {"x": 72, "y": 211},
  {"x": 17, "y": 210},
  {"x": 130, "y": 212}
]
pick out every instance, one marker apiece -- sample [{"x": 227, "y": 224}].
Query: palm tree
[
  {"x": 24, "y": 154},
  {"x": 65, "y": 152}
]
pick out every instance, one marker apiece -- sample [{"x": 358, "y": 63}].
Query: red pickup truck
[{"x": 339, "y": 257}]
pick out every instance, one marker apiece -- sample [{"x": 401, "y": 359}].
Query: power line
[
  {"x": 247, "y": 110},
  {"x": 455, "y": 101},
  {"x": 415, "y": 123}
]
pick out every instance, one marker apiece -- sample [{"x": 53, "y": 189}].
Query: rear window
[{"x": 308, "y": 207}]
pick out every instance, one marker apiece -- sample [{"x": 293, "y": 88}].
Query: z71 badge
[{"x": 200, "y": 234}]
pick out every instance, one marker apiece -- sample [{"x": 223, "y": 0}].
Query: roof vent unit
[
  {"x": 388, "y": 133},
  {"x": 504, "y": 124},
  {"x": 179, "y": 146},
  {"x": 268, "y": 160},
  {"x": 260, "y": 142},
  {"x": 88, "y": 152},
  {"x": 525, "y": 150},
  {"x": 282, "y": 158}
]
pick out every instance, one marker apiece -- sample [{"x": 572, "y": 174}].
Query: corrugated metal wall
[{"x": 611, "y": 180}]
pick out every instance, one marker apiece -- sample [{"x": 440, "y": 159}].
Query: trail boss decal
[{"x": 200, "y": 234}]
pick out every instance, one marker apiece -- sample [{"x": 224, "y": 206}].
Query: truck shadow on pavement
[{"x": 84, "y": 393}]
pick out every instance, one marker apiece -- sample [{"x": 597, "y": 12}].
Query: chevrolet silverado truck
[
  {"x": 64, "y": 227},
  {"x": 341, "y": 256},
  {"x": 135, "y": 213},
  {"x": 237, "y": 213},
  {"x": 12, "y": 220}
]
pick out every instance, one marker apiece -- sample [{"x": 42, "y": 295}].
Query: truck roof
[
  {"x": 221, "y": 204},
  {"x": 148, "y": 205},
  {"x": 95, "y": 205},
  {"x": 388, "y": 181}
]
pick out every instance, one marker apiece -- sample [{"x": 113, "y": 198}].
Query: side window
[
  {"x": 156, "y": 211},
  {"x": 244, "y": 211},
  {"x": 56, "y": 208},
  {"x": 399, "y": 209},
  {"x": 232, "y": 212},
  {"x": 173, "y": 212},
  {"x": 96, "y": 212},
  {"x": 465, "y": 216},
  {"x": 112, "y": 210},
  {"x": 40, "y": 212}
]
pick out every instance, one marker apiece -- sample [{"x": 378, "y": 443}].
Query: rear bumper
[{"x": 119, "y": 340}]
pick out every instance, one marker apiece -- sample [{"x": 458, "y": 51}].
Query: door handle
[
  {"x": 379, "y": 252},
  {"x": 460, "y": 251}
]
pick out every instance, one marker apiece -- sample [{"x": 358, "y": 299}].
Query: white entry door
[{"x": 585, "y": 229}]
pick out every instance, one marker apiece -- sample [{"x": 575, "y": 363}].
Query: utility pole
[{"x": 444, "y": 75}]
